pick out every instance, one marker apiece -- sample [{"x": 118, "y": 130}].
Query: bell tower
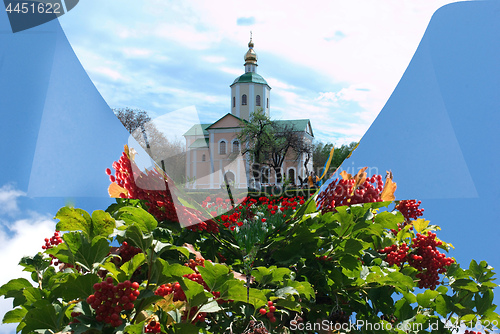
[{"x": 249, "y": 91}]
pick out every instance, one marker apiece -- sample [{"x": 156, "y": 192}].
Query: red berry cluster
[
  {"x": 176, "y": 289},
  {"x": 153, "y": 327},
  {"x": 395, "y": 254},
  {"x": 471, "y": 332},
  {"x": 109, "y": 300},
  {"x": 126, "y": 252},
  {"x": 428, "y": 260},
  {"x": 342, "y": 192},
  {"x": 424, "y": 257},
  {"x": 269, "y": 310},
  {"x": 150, "y": 186},
  {"x": 49, "y": 243},
  {"x": 153, "y": 188},
  {"x": 73, "y": 316},
  {"x": 410, "y": 209}
]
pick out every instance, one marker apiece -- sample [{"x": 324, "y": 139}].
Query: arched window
[
  {"x": 244, "y": 100},
  {"x": 234, "y": 101},
  {"x": 268, "y": 102},
  {"x": 236, "y": 146},
  {"x": 265, "y": 175},
  {"x": 257, "y": 100},
  {"x": 291, "y": 175},
  {"x": 203, "y": 157},
  {"x": 222, "y": 147}
]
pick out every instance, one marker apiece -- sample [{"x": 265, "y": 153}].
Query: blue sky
[{"x": 336, "y": 63}]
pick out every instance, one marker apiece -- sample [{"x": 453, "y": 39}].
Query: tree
[
  {"x": 270, "y": 142},
  {"x": 170, "y": 155},
  {"x": 321, "y": 153}
]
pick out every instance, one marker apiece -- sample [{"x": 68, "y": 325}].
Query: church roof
[
  {"x": 250, "y": 77},
  {"x": 198, "y": 130},
  {"x": 199, "y": 143},
  {"x": 297, "y": 124},
  {"x": 226, "y": 115}
]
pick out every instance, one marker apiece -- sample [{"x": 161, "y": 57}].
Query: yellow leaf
[
  {"x": 360, "y": 178},
  {"x": 420, "y": 224},
  {"x": 345, "y": 176},
  {"x": 114, "y": 190},
  {"x": 389, "y": 189},
  {"x": 168, "y": 304}
]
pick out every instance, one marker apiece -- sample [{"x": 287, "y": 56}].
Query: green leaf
[
  {"x": 403, "y": 310},
  {"x": 388, "y": 220},
  {"x": 303, "y": 288},
  {"x": 82, "y": 252},
  {"x": 102, "y": 223},
  {"x": 34, "y": 263},
  {"x": 443, "y": 305},
  {"x": 139, "y": 217},
  {"x": 345, "y": 220},
  {"x": 131, "y": 266},
  {"x": 215, "y": 275},
  {"x": 483, "y": 301},
  {"x": 289, "y": 305},
  {"x": 71, "y": 219},
  {"x": 135, "y": 234},
  {"x": 287, "y": 290},
  {"x": 42, "y": 316},
  {"x": 14, "y": 285},
  {"x": 210, "y": 307},
  {"x": 14, "y": 316},
  {"x": 76, "y": 287},
  {"x": 465, "y": 284},
  {"x": 353, "y": 246},
  {"x": 425, "y": 299},
  {"x": 195, "y": 293},
  {"x": 171, "y": 272},
  {"x": 185, "y": 328},
  {"x": 238, "y": 292},
  {"x": 135, "y": 329}
]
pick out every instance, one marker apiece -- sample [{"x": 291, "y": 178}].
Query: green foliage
[{"x": 311, "y": 265}]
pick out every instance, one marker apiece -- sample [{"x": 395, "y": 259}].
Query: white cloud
[
  {"x": 214, "y": 59},
  {"x": 137, "y": 52},
  {"x": 276, "y": 83},
  {"x": 352, "y": 44},
  {"x": 23, "y": 237},
  {"x": 231, "y": 70},
  {"x": 8, "y": 199}
]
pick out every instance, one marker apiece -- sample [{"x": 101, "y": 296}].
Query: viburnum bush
[{"x": 351, "y": 259}]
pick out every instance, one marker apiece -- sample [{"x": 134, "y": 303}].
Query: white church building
[{"x": 209, "y": 147}]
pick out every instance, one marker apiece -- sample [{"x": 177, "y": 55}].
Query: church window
[
  {"x": 268, "y": 102},
  {"x": 236, "y": 146},
  {"x": 265, "y": 175},
  {"x": 222, "y": 147},
  {"x": 244, "y": 100},
  {"x": 257, "y": 100},
  {"x": 234, "y": 102},
  {"x": 203, "y": 157}
]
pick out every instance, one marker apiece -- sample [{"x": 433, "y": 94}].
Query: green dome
[{"x": 250, "y": 77}]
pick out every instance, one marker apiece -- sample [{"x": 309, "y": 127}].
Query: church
[{"x": 213, "y": 150}]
